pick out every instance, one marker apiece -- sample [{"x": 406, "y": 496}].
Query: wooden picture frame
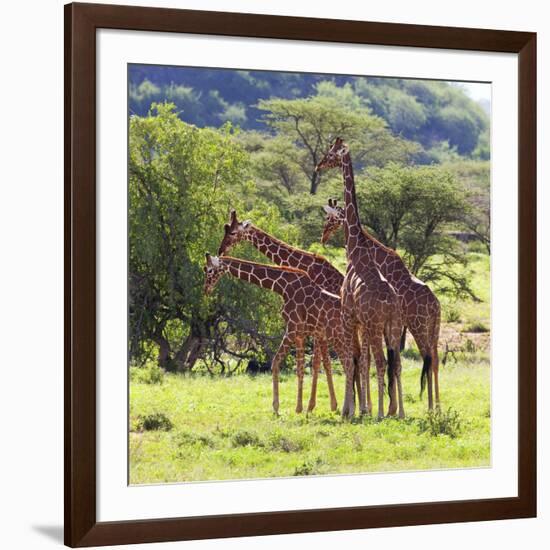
[{"x": 81, "y": 23}]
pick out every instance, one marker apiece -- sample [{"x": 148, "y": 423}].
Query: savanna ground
[{"x": 197, "y": 427}]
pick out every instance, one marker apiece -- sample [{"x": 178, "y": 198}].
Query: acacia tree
[
  {"x": 182, "y": 183},
  {"x": 412, "y": 209},
  {"x": 476, "y": 178},
  {"x": 312, "y": 123}
]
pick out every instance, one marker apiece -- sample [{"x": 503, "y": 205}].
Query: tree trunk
[
  {"x": 190, "y": 351},
  {"x": 314, "y": 183},
  {"x": 164, "y": 352}
]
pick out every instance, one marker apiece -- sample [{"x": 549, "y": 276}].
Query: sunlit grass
[{"x": 223, "y": 428}]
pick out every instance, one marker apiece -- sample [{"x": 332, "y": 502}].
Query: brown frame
[{"x": 81, "y": 22}]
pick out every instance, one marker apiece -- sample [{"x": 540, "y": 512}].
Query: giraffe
[
  {"x": 319, "y": 269},
  {"x": 308, "y": 310},
  {"x": 419, "y": 306},
  {"x": 368, "y": 300}
]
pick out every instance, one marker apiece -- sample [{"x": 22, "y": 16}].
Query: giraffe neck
[
  {"x": 355, "y": 239},
  {"x": 273, "y": 278},
  {"x": 278, "y": 251}
]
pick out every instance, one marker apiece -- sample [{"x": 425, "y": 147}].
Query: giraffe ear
[
  {"x": 214, "y": 261},
  {"x": 329, "y": 210},
  {"x": 246, "y": 224}
]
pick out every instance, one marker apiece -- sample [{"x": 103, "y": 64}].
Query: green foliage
[
  {"x": 476, "y": 327},
  {"x": 183, "y": 182},
  {"x": 452, "y": 315},
  {"x": 153, "y": 422},
  {"x": 475, "y": 177},
  {"x": 438, "y": 423},
  {"x": 147, "y": 374},
  {"x": 308, "y": 467},
  {"x": 311, "y": 124},
  {"x": 245, "y": 438},
  {"x": 427, "y": 112}
]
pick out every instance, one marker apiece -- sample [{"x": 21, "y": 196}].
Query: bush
[
  {"x": 476, "y": 327},
  {"x": 441, "y": 423},
  {"x": 452, "y": 315},
  {"x": 188, "y": 438},
  {"x": 408, "y": 353},
  {"x": 286, "y": 444},
  {"x": 244, "y": 438},
  {"x": 148, "y": 374},
  {"x": 153, "y": 422},
  {"x": 308, "y": 468}
]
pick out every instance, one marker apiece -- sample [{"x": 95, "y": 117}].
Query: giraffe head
[
  {"x": 235, "y": 232},
  {"x": 333, "y": 220},
  {"x": 333, "y": 157},
  {"x": 213, "y": 270}
]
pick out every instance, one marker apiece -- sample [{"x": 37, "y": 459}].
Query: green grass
[
  {"x": 223, "y": 428},
  {"x": 469, "y": 313}
]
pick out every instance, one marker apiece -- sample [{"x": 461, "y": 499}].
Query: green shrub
[
  {"x": 441, "y": 423},
  {"x": 452, "y": 315},
  {"x": 408, "y": 353},
  {"x": 477, "y": 247},
  {"x": 308, "y": 468},
  {"x": 148, "y": 374},
  {"x": 153, "y": 422},
  {"x": 409, "y": 398},
  {"x": 188, "y": 438},
  {"x": 245, "y": 438},
  {"x": 476, "y": 327},
  {"x": 286, "y": 444}
]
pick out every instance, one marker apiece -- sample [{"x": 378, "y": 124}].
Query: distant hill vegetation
[{"x": 441, "y": 118}]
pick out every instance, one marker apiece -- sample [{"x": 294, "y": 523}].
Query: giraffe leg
[
  {"x": 328, "y": 372},
  {"x": 378, "y": 352},
  {"x": 435, "y": 368},
  {"x": 398, "y": 382},
  {"x": 365, "y": 399},
  {"x": 394, "y": 368},
  {"x": 284, "y": 347},
  {"x": 348, "y": 408},
  {"x": 300, "y": 373},
  {"x": 435, "y": 354},
  {"x": 315, "y": 364},
  {"x": 421, "y": 337}
]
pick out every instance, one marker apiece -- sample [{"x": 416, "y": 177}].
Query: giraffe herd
[{"x": 355, "y": 315}]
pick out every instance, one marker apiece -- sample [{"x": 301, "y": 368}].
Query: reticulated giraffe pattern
[
  {"x": 308, "y": 311},
  {"x": 420, "y": 307},
  {"x": 319, "y": 269},
  {"x": 368, "y": 301}
]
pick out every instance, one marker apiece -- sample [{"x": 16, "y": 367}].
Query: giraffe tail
[{"x": 426, "y": 366}]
